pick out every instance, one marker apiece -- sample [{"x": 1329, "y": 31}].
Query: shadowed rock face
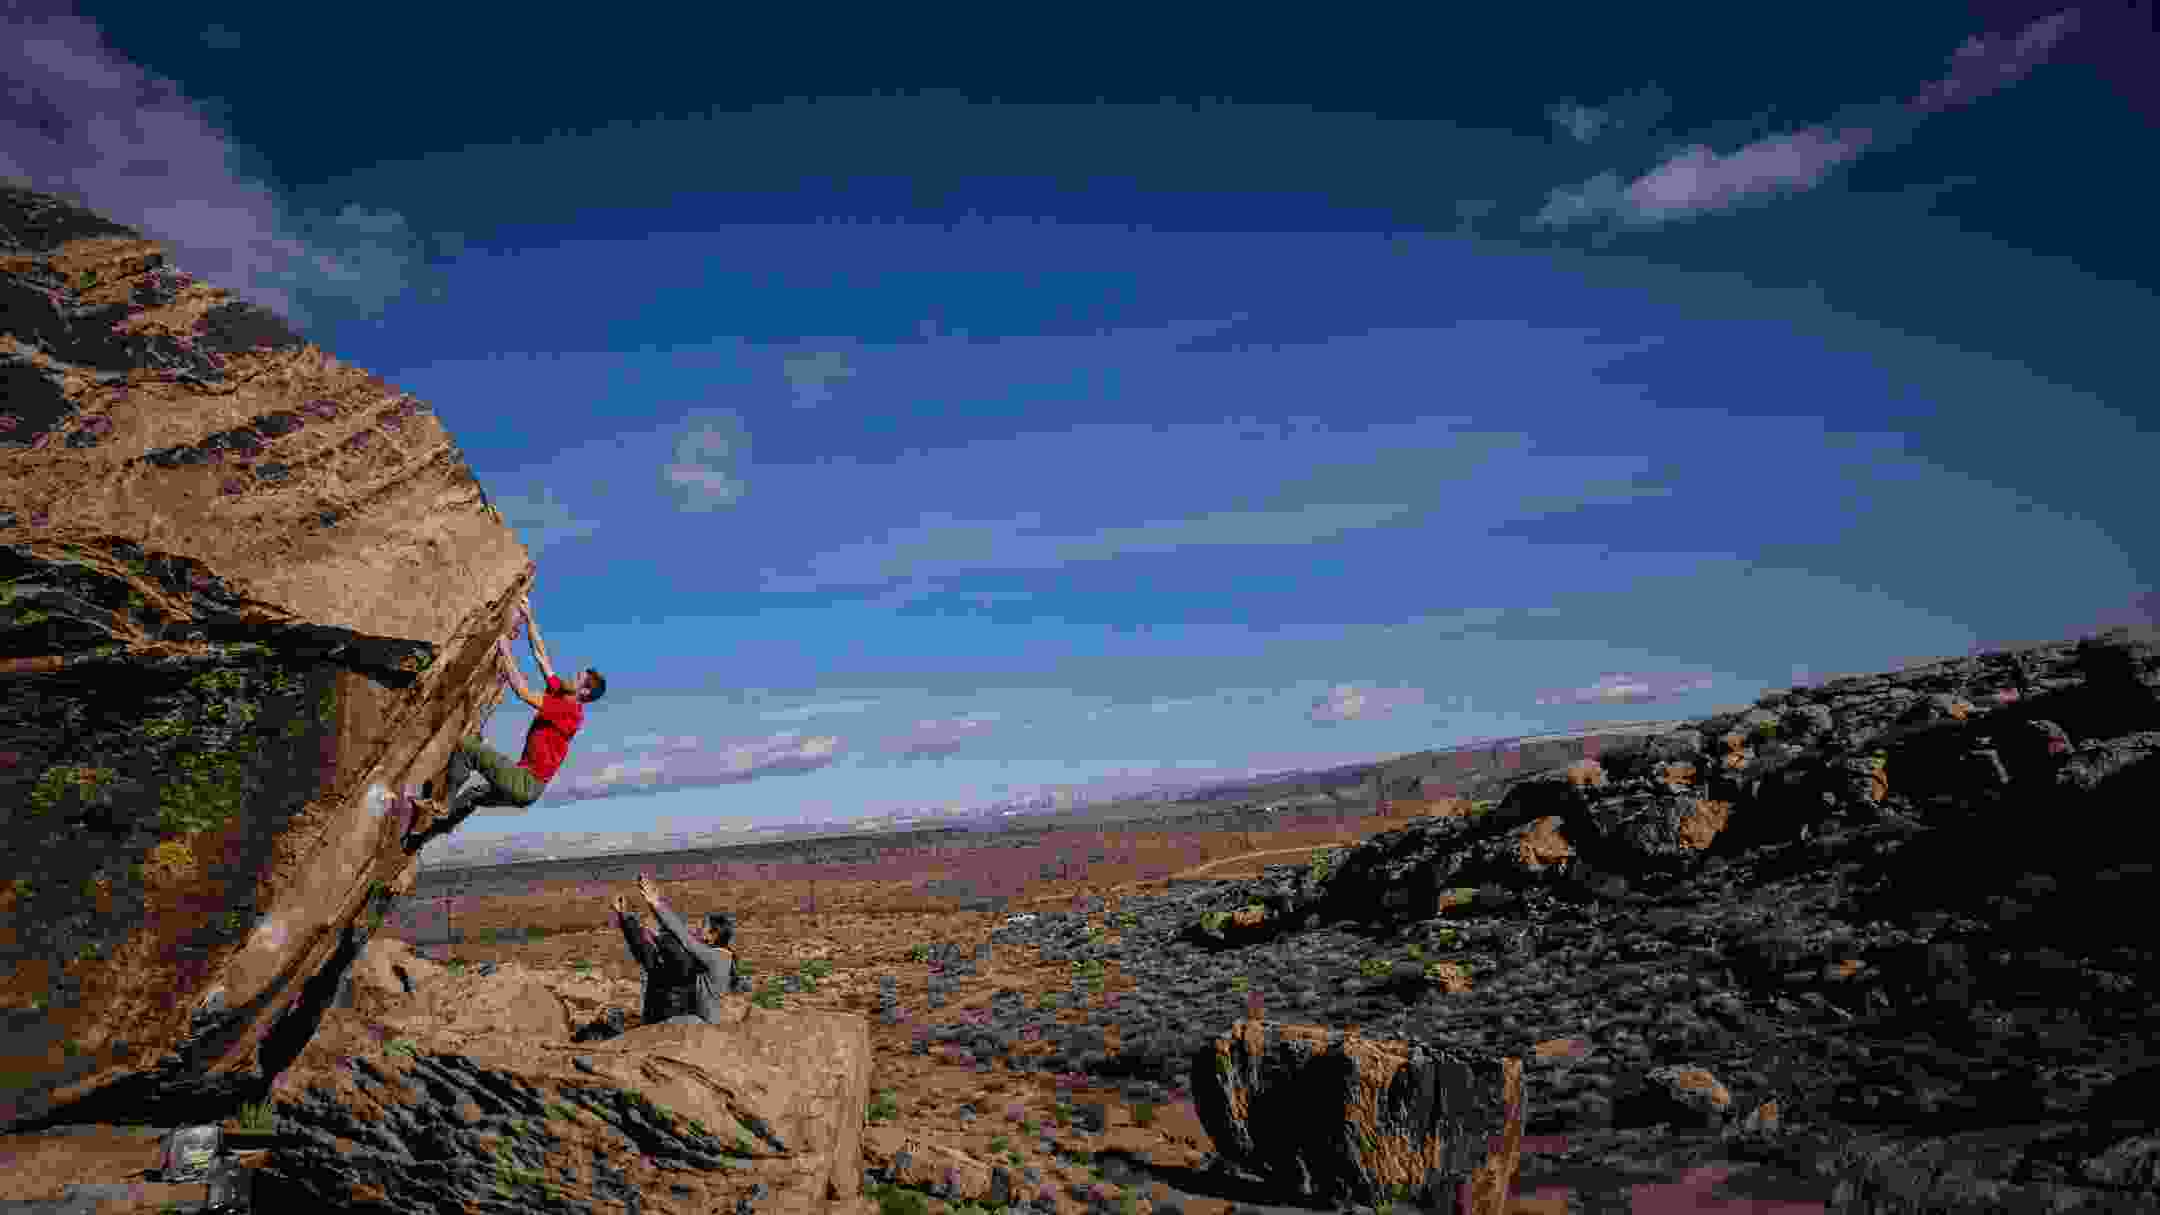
[
  {"x": 1972, "y": 747},
  {"x": 247, "y": 599},
  {"x": 1336, "y": 1118},
  {"x": 1887, "y": 934}
]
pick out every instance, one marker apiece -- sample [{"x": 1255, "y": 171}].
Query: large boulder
[
  {"x": 247, "y": 600},
  {"x": 450, "y": 1007},
  {"x": 391, "y": 984},
  {"x": 763, "y": 1112}
]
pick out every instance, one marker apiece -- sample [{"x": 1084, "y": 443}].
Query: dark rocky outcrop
[
  {"x": 247, "y": 599},
  {"x": 1885, "y": 938},
  {"x": 1327, "y": 1117}
]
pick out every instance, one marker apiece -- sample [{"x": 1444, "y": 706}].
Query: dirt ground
[{"x": 863, "y": 926}]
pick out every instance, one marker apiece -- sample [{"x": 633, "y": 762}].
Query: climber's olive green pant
[{"x": 509, "y": 785}]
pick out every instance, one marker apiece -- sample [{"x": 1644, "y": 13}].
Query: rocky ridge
[{"x": 1879, "y": 938}]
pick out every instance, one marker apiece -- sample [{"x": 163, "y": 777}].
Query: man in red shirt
[{"x": 547, "y": 740}]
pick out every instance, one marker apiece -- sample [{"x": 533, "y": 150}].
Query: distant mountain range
[{"x": 1346, "y": 783}]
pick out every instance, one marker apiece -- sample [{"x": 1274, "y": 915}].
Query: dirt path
[{"x": 1219, "y": 862}]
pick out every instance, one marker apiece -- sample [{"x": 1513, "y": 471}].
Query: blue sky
[{"x": 917, "y": 419}]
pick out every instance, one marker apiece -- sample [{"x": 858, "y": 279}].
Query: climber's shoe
[{"x": 425, "y": 813}]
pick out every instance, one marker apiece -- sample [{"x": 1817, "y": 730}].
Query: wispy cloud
[
  {"x": 682, "y": 745},
  {"x": 812, "y": 374},
  {"x": 822, "y": 709},
  {"x": 1353, "y": 702},
  {"x": 686, "y": 763},
  {"x": 711, "y": 449},
  {"x": 1698, "y": 180},
  {"x": 218, "y": 38},
  {"x": 1582, "y": 122},
  {"x": 942, "y": 545},
  {"x": 1985, "y": 63},
  {"x": 1636, "y": 110},
  {"x": 938, "y": 738},
  {"x": 79, "y": 120},
  {"x": 1626, "y": 689}
]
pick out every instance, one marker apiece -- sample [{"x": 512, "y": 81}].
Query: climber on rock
[
  {"x": 547, "y": 741},
  {"x": 684, "y": 976}
]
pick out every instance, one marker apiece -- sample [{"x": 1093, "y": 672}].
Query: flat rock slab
[{"x": 768, "y": 1105}]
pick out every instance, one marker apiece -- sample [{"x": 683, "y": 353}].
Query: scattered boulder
[
  {"x": 386, "y": 971},
  {"x": 509, "y": 1000},
  {"x": 1331, "y": 1116}
]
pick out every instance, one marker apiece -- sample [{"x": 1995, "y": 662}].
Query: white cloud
[
  {"x": 1602, "y": 195},
  {"x": 661, "y": 742},
  {"x": 812, "y": 374},
  {"x": 710, "y": 450},
  {"x": 1355, "y": 702},
  {"x": 684, "y": 763},
  {"x": 938, "y": 738},
  {"x": 1985, "y": 63},
  {"x": 1697, "y": 180},
  {"x": 1627, "y": 689},
  {"x": 806, "y": 712},
  {"x": 944, "y": 546}
]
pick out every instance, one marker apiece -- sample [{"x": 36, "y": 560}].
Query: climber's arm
[
  {"x": 516, "y": 677},
  {"x": 532, "y": 633}
]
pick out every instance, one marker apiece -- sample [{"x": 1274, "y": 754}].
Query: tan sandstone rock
[
  {"x": 248, "y": 598},
  {"x": 691, "y": 1118}
]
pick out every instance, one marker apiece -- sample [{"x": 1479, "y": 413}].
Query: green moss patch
[
  {"x": 65, "y": 786},
  {"x": 204, "y": 796}
]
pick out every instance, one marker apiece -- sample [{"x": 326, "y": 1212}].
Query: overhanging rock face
[{"x": 247, "y": 601}]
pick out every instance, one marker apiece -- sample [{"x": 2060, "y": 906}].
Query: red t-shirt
[{"x": 548, "y": 740}]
